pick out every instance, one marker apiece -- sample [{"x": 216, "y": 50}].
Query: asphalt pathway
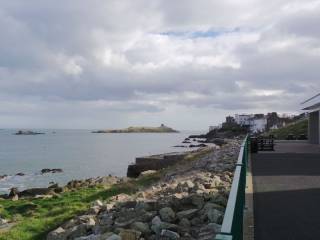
[{"x": 286, "y": 196}]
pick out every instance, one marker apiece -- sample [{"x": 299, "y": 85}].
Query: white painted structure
[
  {"x": 243, "y": 119},
  {"x": 312, "y": 106},
  {"x": 258, "y": 124}
]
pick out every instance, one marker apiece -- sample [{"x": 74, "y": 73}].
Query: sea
[{"x": 79, "y": 153}]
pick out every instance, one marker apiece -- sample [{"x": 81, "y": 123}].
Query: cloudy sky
[{"x": 185, "y": 63}]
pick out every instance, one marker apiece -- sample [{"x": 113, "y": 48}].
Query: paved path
[{"x": 286, "y": 195}]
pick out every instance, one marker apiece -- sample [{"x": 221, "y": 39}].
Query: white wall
[
  {"x": 258, "y": 125},
  {"x": 242, "y": 119}
]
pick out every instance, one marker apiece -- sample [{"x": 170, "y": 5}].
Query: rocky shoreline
[
  {"x": 42, "y": 172},
  {"x": 188, "y": 202},
  {"x": 55, "y": 189}
]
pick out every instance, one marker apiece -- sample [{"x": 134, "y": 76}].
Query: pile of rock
[
  {"x": 3, "y": 222},
  {"x": 177, "y": 211},
  {"x": 51, "y": 170},
  {"x": 3, "y": 176},
  {"x": 188, "y": 203},
  {"x": 90, "y": 182},
  {"x": 54, "y": 189}
]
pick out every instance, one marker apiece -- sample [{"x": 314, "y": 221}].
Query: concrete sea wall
[{"x": 153, "y": 162}]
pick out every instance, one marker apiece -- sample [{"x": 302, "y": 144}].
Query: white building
[
  {"x": 258, "y": 124},
  {"x": 243, "y": 119}
]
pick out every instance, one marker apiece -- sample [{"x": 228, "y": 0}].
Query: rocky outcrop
[
  {"x": 22, "y": 132},
  {"x": 20, "y": 174},
  {"x": 3, "y": 222},
  {"x": 3, "y": 176},
  {"x": 187, "y": 203},
  {"x": 55, "y": 189},
  {"x": 51, "y": 170},
  {"x": 91, "y": 182}
]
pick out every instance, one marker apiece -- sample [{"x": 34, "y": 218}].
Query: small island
[
  {"x": 21, "y": 132},
  {"x": 161, "y": 129}
]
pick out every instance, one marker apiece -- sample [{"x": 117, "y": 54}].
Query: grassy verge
[
  {"x": 297, "y": 128},
  {"x": 36, "y": 217}
]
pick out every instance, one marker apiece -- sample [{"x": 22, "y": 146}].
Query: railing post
[{"x": 222, "y": 236}]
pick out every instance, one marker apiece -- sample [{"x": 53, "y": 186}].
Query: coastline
[
  {"x": 205, "y": 167},
  {"x": 78, "y": 153}
]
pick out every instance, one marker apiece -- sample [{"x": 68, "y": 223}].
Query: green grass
[
  {"x": 36, "y": 217},
  {"x": 297, "y": 128}
]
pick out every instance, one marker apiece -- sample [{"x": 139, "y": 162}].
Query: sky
[{"x": 185, "y": 63}]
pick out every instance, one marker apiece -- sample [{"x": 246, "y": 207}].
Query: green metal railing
[{"x": 232, "y": 226}]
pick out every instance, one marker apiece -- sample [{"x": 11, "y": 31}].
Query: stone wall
[{"x": 153, "y": 162}]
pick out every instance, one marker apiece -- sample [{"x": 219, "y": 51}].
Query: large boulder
[
  {"x": 188, "y": 214},
  {"x": 3, "y": 176},
  {"x": 141, "y": 227},
  {"x": 158, "y": 225},
  {"x": 170, "y": 235},
  {"x": 13, "y": 192},
  {"x": 90, "y": 237},
  {"x": 209, "y": 231},
  {"x": 167, "y": 214},
  {"x": 51, "y": 170},
  {"x": 57, "y": 234},
  {"x": 215, "y": 216},
  {"x": 114, "y": 237},
  {"x": 129, "y": 234},
  {"x": 33, "y": 192},
  {"x": 3, "y": 221}
]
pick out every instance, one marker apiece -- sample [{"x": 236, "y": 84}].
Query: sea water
[{"x": 80, "y": 153}]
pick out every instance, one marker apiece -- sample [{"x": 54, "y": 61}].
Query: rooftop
[{"x": 312, "y": 104}]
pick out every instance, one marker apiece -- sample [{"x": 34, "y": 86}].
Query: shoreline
[
  {"x": 32, "y": 178},
  {"x": 204, "y": 178},
  {"x": 188, "y": 200},
  {"x": 107, "y": 180}
]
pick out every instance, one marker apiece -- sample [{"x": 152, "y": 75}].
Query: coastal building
[
  {"x": 312, "y": 106},
  {"x": 258, "y": 123},
  {"x": 243, "y": 119},
  {"x": 254, "y": 122},
  {"x": 274, "y": 121},
  {"x": 230, "y": 120}
]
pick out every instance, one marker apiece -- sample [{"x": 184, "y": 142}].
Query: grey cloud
[{"x": 75, "y": 55}]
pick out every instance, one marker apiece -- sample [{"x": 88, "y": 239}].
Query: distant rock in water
[
  {"x": 53, "y": 170},
  {"x": 20, "y": 174},
  {"x": 161, "y": 129},
  {"x": 22, "y": 132},
  {"x": 3, "y": 176}
]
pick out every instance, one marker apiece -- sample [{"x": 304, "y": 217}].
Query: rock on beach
[{"x": 187, "y": 203}]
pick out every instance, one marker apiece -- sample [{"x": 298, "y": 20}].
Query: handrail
[{"x": 232, "y": 225}]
